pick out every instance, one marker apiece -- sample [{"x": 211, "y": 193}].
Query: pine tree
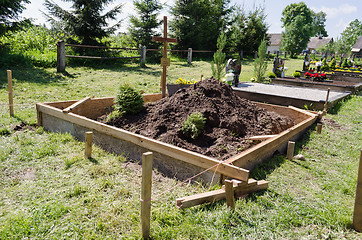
[
  {"x": 85, "y": 19},
  {"x": 218, "y": 65},
  {"x": 143, "y": 27},
  {"x": 260, "y": 65},
  {"x": 9, "y": 14}
]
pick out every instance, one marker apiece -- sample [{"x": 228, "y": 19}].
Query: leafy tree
[
  {"x": 318, "y": 25},
  {"x": 197, "y": 23},
  {"x": 297, "y": 20},
  {"x": 349, "y": 36},
  {"x": 9, "y": 14},
  {"x": 248, "y": 30},
  {"x": 260, "y": 64},
  {"x": 85, "y": 19},
  {"x": 143, "y": 27},
  {"x": 218, "y": 65}
]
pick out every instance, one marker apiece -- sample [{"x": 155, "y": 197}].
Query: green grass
[{"x": 49, "y": 191}]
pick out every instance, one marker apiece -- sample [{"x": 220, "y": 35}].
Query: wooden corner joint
[{"x": 76, "y": 105}]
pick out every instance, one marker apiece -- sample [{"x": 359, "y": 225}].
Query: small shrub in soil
[
  {"x": 325, "y": 66},
  {"x": 128, "y": 100},
  {"x": 332, "y": 64},
  {"x": 271, "y": 75},
  {"x": 193, "y": 125},
  {"x": 296, "y": 74}
]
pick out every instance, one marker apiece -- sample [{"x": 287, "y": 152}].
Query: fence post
[
  {"x": 88, "y": 144},
  {"x": 241, "y": 54},
  {"x": 290, "y": 150},
  {"x": 146, "y": 194},
  {"x": 61, "y": 56},
  {"x": 229, "y": 192},
  {"x": 357, "y": 213},
  {"x": 143, "y": 55},
  {"x": 10, "y": 90},
  {"x": 189, "y": 56}
]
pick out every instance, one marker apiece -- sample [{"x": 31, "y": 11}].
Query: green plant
[
  {"x": 345, "y": 63},
  {"x": 218, "y": 65},
  {"x": 193, "y": 125},
  {"x": 4, "y": 132},
  {"x": 325, "y": 66},
  {"x": 332, "y": 64},
  {"x": 296, "y": 74},
  {"x": 113, "y": 115},
  {"x": 271, "y": 75},
  {"x": 260, "y": 64},
  {"x": 128, "y": 100}
]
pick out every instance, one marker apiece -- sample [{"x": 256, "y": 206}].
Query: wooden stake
[
  {"x": 229, "y": 192},
  {"x": 88, "y": 144},
  {"x": 146, "y": 194},
  {"x": 319, "y": 128},
  {"x": 10, "y": 90},
  {"x": 357, "y": 214},
  {"x": 290, "y": 151},
  {"x": 326, "y": 103}
]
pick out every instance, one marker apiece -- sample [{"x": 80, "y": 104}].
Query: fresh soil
[{"x": 230, "y": 120}]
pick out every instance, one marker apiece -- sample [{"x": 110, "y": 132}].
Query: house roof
[
  {"x": 315, "y": 42},
  {"x": 358, "y": 44},
  {"x": 275, "y": 39}
]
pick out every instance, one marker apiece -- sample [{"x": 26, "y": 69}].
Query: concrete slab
[{"x": 288, "y": 95}]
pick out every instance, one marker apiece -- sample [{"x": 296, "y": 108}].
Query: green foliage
[
  {"x": 218, "y": 65},
  {"x": 5, "y": 132},
  {"x": 349, "y": 36},
  {"x": 332, "y": 64},
  {"x": 297, "y": 21},
  {"x": 296, "y": 74},
  {"x": 113, "y": 115},
  {"x": 260, "y": 64},
  {"x": 197, "y": 24},
  {"x": 193, "y": 125},
  {"x": 37, "y": 44},
  {"x": 345, "y": 63},
  {"x": 128, "y": 100},
  {"x": 325, "y": 66},
  {"x": 143, "y": 27},
  {"x": 271, "y": 75},
  {"x": 248, "y": 30},
  {"x": 85, "y": 20},
  {"x": 9, "y": 13},
  {"x": 318, "y": 24}
]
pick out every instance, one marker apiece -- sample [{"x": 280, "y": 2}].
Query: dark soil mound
[{"x": 229, "y": 120}]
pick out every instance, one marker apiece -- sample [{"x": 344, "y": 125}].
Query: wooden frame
[{"x": 172, "y": 161}]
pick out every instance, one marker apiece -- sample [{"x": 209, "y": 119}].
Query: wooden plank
[
  {"x": 151, "y": 144},
  {"x": 357, "y": 213},
  {"x": 229, "y": 194},
  {"x": 75, "y": 105},
  {"x": 152, "y": 97},
  {"x": 261, "y": 137},
  {"x": 146, "y": 189},
  {"x": 216, "y": 195},
  {"x": 93, "y": 57},
  {"x": 162, "y": 39},
  {"x": 258, "y": 150}
]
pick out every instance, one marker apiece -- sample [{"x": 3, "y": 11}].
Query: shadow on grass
[{"x": 335, "y": 109}]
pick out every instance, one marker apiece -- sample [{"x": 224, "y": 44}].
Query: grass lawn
[{"x": 49, "y": 191}]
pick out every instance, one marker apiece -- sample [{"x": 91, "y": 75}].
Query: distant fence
[{"x": 61, "y": 56}]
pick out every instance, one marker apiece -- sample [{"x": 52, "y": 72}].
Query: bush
[
  {"x": 128, "y": 100},
  {"x": 296, "y": 74},
  {"x": 332, "y": 64},
  {"x": 271, "y": 75},
  {"x": 345, "y": 63},
  {"x": 325, "y": 66},
  {"x": 193, "y": 125}
]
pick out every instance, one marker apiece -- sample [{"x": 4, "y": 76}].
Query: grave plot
[
  {"x": 78, "y": 117},
  {"x": 334, "y": 85},
  {"x": 289, "y": 95}
]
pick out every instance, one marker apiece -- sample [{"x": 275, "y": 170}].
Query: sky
[{"x": 339, "y": 13}]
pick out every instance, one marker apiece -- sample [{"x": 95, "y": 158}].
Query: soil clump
[{"x": 230, "y": 120}]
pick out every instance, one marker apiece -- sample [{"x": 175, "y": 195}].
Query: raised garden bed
[
  {"x": 332, "y": 84},
  {"x": 342, "y": 76},
  {"x": 171, "y": 160}
]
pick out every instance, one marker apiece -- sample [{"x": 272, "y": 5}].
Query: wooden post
[
  {"x": 319, "y": 128},
  {"x": 290, "y": 150},
  {"x": 326, "y": 103},
  {"x": 229, "y": 192},
  {"x": 88, "y": 144},
  {"x": 143, "y": 55},
  {"x": 61, "y": 56},
  {"x": 146, "y": 194},
  {"x": 357, "y": 213},
  {"x": 10, "y": 90},
  {"x": 189, "y": 56}
]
